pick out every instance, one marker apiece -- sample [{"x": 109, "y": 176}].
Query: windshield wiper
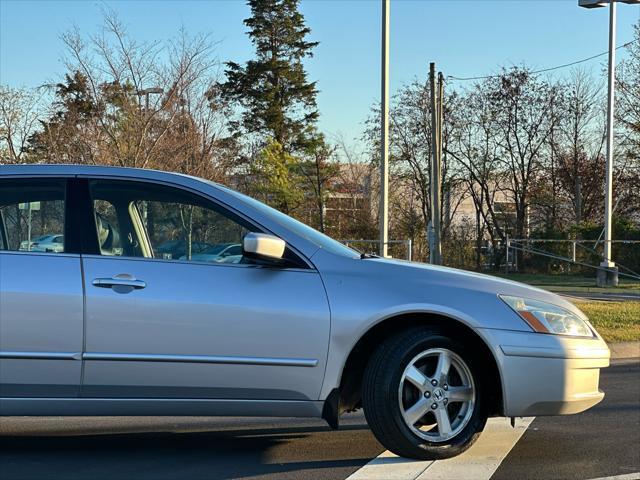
[{"x": 368, "y": 255}]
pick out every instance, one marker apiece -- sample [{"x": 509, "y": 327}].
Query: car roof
[{"x": 97, "y": 170}]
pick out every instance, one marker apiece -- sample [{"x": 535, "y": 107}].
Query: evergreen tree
[
  {"x": 275, "y": 178},
  {"x": 65, "y": 137},
  {"x": 279, "y": 102}
]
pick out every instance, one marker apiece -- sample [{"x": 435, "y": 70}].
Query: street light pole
[
  {"x": 609, "y": 275},
  {"x": 608, "y": 272},
  {"x": 384, "y": 134}
]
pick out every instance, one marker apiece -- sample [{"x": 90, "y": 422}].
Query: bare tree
[
  {"x": 522, "y": 104},
  {"x": 149, "y": 105},
  {"x": 20, "y": 111},
  {"x": 579, "y": 145},
  {"x": 628, "y": 118},
  {"x": 410, "y": 161},
  {"x": 317, "y": 174},
  {"x": 354, "y": 189},
  {"x": 478, "y": 166}
]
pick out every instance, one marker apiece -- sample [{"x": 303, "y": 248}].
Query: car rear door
[
  {"x": 41, "y": 298},
  {"x": 165, "y": 325}
]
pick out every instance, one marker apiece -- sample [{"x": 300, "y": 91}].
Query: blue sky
[{"x": 464, "y": 37}]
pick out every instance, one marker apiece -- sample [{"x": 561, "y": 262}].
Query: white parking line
[
  {"x": 479, "y": 462},
  {"x": 388, "y": 466},
  {"x": 482, "y": 460}
]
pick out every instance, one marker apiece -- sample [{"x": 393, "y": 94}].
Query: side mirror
[{"x": 263, "y": 246}]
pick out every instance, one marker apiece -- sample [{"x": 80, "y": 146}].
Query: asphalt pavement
[{"x": 602, "y": 442}]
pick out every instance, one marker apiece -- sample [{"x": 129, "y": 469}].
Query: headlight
[{"x": 548, "y": 318}]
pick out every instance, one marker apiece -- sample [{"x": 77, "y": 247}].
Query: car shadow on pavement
[{"x": 281, "y": 452}]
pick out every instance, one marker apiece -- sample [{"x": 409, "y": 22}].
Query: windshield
[{"x": 299, "y": 228}]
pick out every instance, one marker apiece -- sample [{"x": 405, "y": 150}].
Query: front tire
[{"x": 422, "y": 395}]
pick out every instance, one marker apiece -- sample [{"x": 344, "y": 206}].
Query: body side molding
[{"x": 220, "y": 359}]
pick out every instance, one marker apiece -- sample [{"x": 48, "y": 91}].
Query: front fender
[{"x": 344, "y": 339}]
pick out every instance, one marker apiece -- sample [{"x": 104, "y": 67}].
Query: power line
[{"x": 565, "y": 65}]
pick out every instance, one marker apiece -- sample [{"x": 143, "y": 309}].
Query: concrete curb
[{"x": 625, "y": 350}]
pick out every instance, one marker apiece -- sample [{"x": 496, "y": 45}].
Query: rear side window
[{"x": 32, "y": 215}]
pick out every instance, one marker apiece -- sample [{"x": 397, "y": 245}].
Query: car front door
[
  {"x": 41, "y": 304},
  {"x": 161, "y": 324}
]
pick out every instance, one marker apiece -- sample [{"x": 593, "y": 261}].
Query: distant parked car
[
  {"x": 299, "y": 325},
  {"x": 24, "y": 245},
  {"x": 176, "y": 249},
  {"x": 44, "y": 243},
  {"x": 231, "y": 259},
  {"x": 217, "y": 253}
]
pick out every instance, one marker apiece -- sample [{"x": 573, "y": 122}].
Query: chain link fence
[
  {"x": 396, "y": 248},
  {"x": 531, "y": 255},
  {"x": 570, "y": 256}
]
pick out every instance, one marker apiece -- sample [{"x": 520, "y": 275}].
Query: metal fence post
[{"x": 506, "y": 261}]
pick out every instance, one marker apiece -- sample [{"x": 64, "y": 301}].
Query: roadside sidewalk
[
  {"x": 624, "y": 350},
  {"x": 627, "y": 296}
]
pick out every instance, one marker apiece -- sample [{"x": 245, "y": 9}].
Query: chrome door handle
[{"x": 119, "y": 281}]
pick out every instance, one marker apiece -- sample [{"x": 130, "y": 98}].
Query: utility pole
[
  {"x": 578, "y": 193},
  {"x": 435, "y": 251},
  {"x": 441, "y": 209},
  {"x": 384, "y": 133}
]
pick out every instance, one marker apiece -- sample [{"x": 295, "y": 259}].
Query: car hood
[
  {"x": 435, "y": 277},
  {"x": 373, "y": 288}
]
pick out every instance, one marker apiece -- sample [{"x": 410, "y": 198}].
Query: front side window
[
  {"x": 152, "y": 221},
  {"x": 32, "y": 215}
]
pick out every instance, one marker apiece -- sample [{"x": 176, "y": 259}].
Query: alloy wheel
[{"x": 437, "y": 395}]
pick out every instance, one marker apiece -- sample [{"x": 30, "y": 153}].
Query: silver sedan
[{"x": 299, "y": 325}]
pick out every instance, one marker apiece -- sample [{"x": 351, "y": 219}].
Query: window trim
[
  {"x": 289, "y": 268},
  {"x": 304, "y": 264},
  {"x": 73, "y": 225},
  {"x": 81, "y": 219},
  {"x": 4, "y": 235},
  {"x": 138, "y": 227}
]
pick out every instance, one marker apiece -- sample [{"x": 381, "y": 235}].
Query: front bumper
[{"x": 547, "y": 374}]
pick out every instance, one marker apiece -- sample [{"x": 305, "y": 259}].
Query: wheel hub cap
[{"x": 437, "y": 395}]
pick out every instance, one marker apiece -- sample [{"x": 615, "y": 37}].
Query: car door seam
[
  {"x": 326, "y": 362},
  {"x": 84, "y": 325}
]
